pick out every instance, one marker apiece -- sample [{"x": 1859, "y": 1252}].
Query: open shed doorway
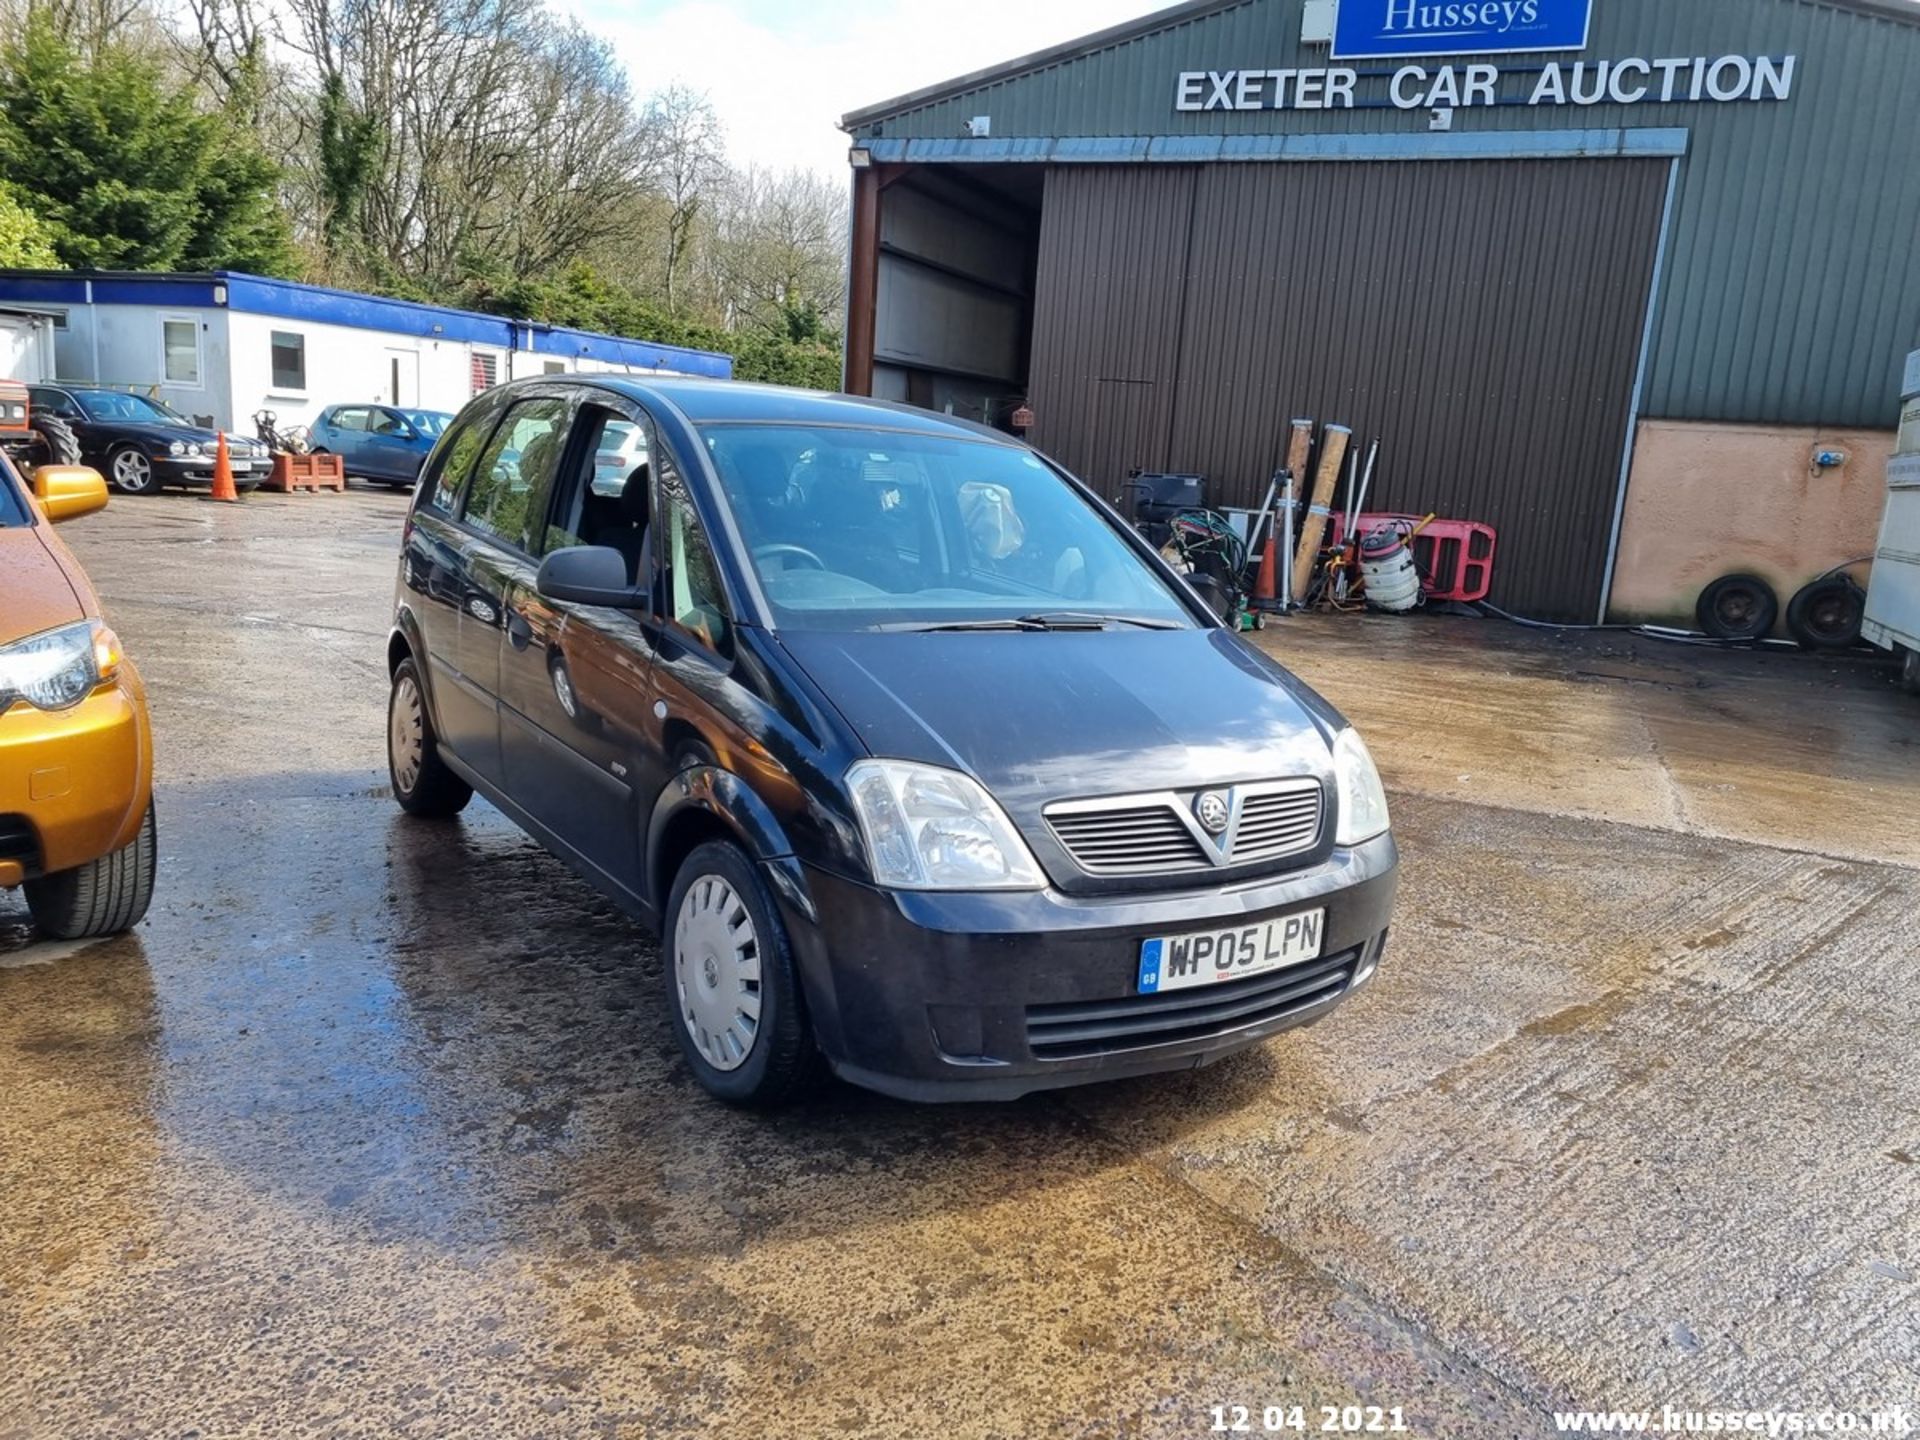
[{"x": 953, "y": 313}]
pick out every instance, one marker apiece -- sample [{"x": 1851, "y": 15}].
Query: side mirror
[
  {"x": 67, "y": 491},
  {"x": 588, "y": 575}
]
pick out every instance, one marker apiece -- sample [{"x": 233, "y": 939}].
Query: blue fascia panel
[
  {"x": 291, "y": 300},
  {"x": 39, "y": 290},
  {"x": 644, "y": 354}
]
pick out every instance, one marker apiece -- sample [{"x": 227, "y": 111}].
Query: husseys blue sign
[{"x": 1383, "y": 29}]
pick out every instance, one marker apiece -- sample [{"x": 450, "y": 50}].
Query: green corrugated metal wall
[{"x": 1793, "y": 283}]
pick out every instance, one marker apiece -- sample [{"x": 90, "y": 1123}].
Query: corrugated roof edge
[{"x": 1906, "y": 12}]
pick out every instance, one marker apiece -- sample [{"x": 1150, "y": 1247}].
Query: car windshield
[
  {"x": 116, "y": 405},
  {"x": 865, "y": 529},
  {"x": 428, "y": 422}
]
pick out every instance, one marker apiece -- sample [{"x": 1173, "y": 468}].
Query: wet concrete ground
[{"x": 376, "y": 1128}]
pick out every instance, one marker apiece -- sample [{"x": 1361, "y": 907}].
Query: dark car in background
[
  {"x": 379, "y": 442},
  {"x": 923, "y": 762},
  {"x": 142, "y": 444}
]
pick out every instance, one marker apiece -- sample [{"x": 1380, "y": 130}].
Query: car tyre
[
  {"x": 101, "y": 897},
  {"x": 1827, "y": 615},
  {"x": 1910, "y": 671},
  {"x": 722, "y": 931},
  {"x": 1738, "y": 607},
  {"x": 132, "y": 472},
  {"x": 423, "y": 783}
]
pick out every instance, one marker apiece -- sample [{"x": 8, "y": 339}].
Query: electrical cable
[{"x": 1651, "y": 632}]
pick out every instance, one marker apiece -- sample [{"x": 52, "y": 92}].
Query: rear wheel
[
  {"x": 423, "y": 783},
  {"x": 132, "y": 472},
  {"x": 101, "y": 897},
  {"x": 731, "y": 984},
  {"x": 1910, "y": 671}
]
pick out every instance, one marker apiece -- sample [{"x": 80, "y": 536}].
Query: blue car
[{"x": 379, "y": 442}]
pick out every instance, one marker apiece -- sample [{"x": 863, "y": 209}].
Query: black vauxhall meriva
[{"x": 922, "y": 762}]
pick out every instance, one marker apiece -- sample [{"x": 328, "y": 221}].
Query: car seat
[{"x": 620, "y": 522}]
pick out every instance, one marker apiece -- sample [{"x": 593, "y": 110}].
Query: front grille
[
  {"x": 1081, "y": 1029},
  {"x": 1147, "y": 839},
  {"x": 1280, "y": 822},
  {"x": 1159, "y": 834}
]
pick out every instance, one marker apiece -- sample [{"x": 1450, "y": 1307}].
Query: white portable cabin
[{"x": 218, "y": 347}]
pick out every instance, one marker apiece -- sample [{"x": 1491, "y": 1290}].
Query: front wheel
[
  {"x": 423, "y": 783},
  {"x": 132, "y": 472},
  {"x": 731, "y": 984},
  {"x": 101, "y": 897},
  {"x": 1910, "y": 671}
]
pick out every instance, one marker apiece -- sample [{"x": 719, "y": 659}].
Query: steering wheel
[{"x": 810, "y": 561}]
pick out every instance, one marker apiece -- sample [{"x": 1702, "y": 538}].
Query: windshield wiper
[
  {"x": 1062, "y": 620},
  {"x": 943, "y": 627},
  {"x": 1085, "y": 620}
]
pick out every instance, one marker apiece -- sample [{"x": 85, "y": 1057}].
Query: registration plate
[{"x": 1207, "y": 957}]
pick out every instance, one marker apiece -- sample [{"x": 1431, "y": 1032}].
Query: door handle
[{"x": 519, "y": 632}]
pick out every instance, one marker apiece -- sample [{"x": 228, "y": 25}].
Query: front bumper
[
  {"x": 989, "y": 997},
  {"x": 198, "y": 470},
  {"x": 74, "y": 784}
]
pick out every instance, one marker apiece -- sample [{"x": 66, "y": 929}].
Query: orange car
[{"x": 76, "y": 747}]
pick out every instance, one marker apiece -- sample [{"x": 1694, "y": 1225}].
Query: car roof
[{"x": 740, "y": 402}]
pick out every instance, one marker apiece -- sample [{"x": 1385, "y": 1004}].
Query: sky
[{"x": 782, "y": 72}]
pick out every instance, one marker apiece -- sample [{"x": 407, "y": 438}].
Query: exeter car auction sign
[
  {"x": 1676, "y": 80},
  {"x": 1389, "y": 29}
]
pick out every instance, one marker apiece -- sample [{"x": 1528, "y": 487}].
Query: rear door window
[
  {"x": 508, "y": 496},
  {"x": 349, "y": 420},
  {"x": 54, "y": 402},
  {"x": 604, "y": 498}
]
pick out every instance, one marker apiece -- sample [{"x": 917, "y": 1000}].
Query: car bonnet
[
  {"x": 1041, "y": 717},
  {"x": 36, "y": 592}
]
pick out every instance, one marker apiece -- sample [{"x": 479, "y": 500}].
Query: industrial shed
[{"x": 1608, "y": 275}]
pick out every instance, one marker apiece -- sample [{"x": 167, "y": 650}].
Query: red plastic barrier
[{"x": 1455, "y": 556}]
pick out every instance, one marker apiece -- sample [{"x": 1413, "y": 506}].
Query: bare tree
[
  {"x": 779, "y": 247},
  {"x": 89, "y": 25},
  {"x": 687, "y": 138},
  {"x": 450, "y": 130}
]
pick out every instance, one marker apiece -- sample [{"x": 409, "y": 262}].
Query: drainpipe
[{"x": 93, "y": 330}]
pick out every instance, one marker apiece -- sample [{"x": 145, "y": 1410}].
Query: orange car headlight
[{"x": 57, "y": 669}]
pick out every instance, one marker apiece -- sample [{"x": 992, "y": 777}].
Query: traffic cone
[
  {"x": 223, "y": 487},
  {"x": 1266, "y": 590}
]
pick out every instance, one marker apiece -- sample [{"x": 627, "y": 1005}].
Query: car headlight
[
  {"x": 178, "y": 447},
  {"x": 933, "y": 829},
  {"x": 58, "y": 668},
  {"x": 1363, "y": 800}
]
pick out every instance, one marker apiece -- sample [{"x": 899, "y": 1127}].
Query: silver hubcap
[
  {"x": 716, "y": 972},
  {"x": 131, "y": 470},
  {"x": 406, "y": 734}
]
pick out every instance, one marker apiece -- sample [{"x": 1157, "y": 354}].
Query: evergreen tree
[{"x": 126, "y": 171}]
